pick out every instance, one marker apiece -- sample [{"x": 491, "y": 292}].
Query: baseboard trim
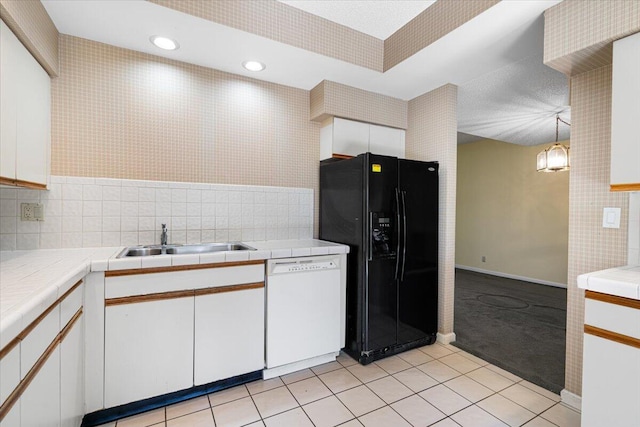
[
  {"x": 572, "y": 400},
  {"x": 513, "y": 276},
  {"x": 446, "y": 338}
]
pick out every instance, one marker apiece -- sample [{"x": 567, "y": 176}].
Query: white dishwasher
[{"x": 303, "y": 313}]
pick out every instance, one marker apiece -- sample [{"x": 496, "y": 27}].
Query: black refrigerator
[{"x": 386, "y": 210}]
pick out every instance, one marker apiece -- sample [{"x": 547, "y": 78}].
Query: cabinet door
[
  {"x": 386, "y": 141},
  {"x": 9, "y": 46},
  {"x": 40, "y": 402},
  {"x": 625, "y": 111},
  {"x": 9, "y": 373},
  {"x": 25, "y": 110},
  {"x": 611, "y": 383},
  {"x": 72, "y": 376},
  {"x": 349, "y": 137},
  {"x": 229, "y": 334},
  {"x": 148, "y": 349}
]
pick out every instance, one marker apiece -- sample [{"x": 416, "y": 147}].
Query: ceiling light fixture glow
[
  {"x": 164, "y": 42},
  {"x": 254, "y": 65}
]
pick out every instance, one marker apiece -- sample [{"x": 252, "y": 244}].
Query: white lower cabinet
[
  {"x": 148, "y": 349},
  {"x": 72, "y": 376},
  {"x": 229, "y": 334},
  {"x": 12, "y": 418},
  {"x": 40, "y": 402}
]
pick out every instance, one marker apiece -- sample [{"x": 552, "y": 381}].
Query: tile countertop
[
  {"x": 620, "y": 281},
  {"x": 30, "y": 281}
]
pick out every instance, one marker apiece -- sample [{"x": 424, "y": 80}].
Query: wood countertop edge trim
[
  {"x": 23, "y": 334},
  {"x": 37, "y": 366},
  {"x": 625, "y": 187},
  {"x": 612, "y": 336},
  {"x": 612, "y": 299},
  {"x": 150, "y": 270},
  {"x": 159, "y": 296}
]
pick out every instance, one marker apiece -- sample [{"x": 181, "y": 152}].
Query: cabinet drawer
[
  {"x": 38, "y": 339},
  {"x": 614, "y": 318},
  {"x": 70, "y": 305},
  {"x": 9, "y": 372},
  {"x": 168, "y": 281}
]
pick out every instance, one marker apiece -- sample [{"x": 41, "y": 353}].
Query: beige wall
[
  {"x": 431, "y": 135},
  {"x": 591, "y": 247},
  {"x": 516, "y": 217}
]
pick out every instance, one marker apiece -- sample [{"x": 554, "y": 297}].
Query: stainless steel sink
[{"x": 202, "y": 248}]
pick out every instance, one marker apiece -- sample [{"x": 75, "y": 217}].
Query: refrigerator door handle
[
  {"x": 397, "y": 233},
  {"x": 404, "y": 233}
]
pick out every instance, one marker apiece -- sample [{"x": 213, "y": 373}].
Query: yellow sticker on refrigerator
[{"x": 376, "y": 167}]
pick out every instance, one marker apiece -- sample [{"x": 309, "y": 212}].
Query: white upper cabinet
[
  {"x": 625, "y": 115},
  {"x": 349, "y": 138},
  {"x": 25, "y": 115}
]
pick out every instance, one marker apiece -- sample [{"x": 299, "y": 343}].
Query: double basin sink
[{"x": 202, "y": 248}]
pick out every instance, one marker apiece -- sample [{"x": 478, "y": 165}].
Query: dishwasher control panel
[{"x": 302, "y": 265}]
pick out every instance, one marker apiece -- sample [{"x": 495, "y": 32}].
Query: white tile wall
[
  {"x": 634, "y": 228},
  {"x": 94, "y": 212}
]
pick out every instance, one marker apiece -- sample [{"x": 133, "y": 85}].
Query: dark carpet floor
[{"x": 518, "y": 326}]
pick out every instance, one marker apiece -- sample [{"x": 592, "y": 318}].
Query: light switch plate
[{"x": 611, "y": 218}]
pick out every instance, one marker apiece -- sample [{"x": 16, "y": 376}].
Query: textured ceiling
[{"x": 379, "y": 19}]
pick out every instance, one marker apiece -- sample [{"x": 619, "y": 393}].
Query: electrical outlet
[
  {"x": 31, "y": 212},
  {"x": 484, "y": 258}
]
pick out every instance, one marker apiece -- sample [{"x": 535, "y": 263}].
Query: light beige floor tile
[
  {"x": 476, "y": 417},
  {"x": 228, "y": 395},
  {"x": 469, "y": 389},
  {"x": 418, "y": 411},
  {"x": 490, "y": 379},
  {"x": 539, "y": 422},
  {"x": 447, "y": 422},
  {"x": 113, "y": 424},
  {"x": 389, "y": 389},
  {"x": 562, "y": 415},
  {"x": 436, "y": 350},
  {"x": 385, "y": 417},
  {"x": 256, "y": 424},
  {"x": 309, "y": 390},
  {"x": 473, "y": 358},
  {"x": 274, "y": 401},
  {"x": 340, "y": 380},
  {"x": 202, "y": 418},
  {"x": 143, "y": 420},
  {"x": 439, "y": 371},
  {"x": 505, "y": 410},
  {"x": 297, "y": 376},
  {"x": 445, "y": 399},
  {"x": 294, "y": 418},
  {"x": 327, "y": 412},
  {"x": 360, "y": 400},
  {"x": 346, "y": 360},
  {"x": 393, "y": 364},
  {"x": 368, "y": 372},
  {"x": 415, "y": 357},
  {"x": 450, "y": 347},
  {"x": 236, "y": 413},
  {"x": 459, "y": 363},
  {"x": 543, "y": 391},
  {"x": 264, "y": 385},
  {"x": 415, "y": 379},
  {"x": 527, "y": 398},
  {"x": 508, "y": 375},
  {"x": 187, "y": 407},
  {"x": 326, "y": 367},
  {"x": 352, "y": 423}
]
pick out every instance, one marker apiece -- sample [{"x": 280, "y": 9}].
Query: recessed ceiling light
[
  {"x": 164, "y": 42},
  {"x": 254, "y": 65}
]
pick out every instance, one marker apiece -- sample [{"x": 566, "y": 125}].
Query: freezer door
[
  {"x": 381, "y": 284},
  {"x": 418, "y": 289}
]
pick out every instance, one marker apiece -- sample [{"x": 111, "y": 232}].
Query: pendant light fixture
[{"x": 556, "y": 157}]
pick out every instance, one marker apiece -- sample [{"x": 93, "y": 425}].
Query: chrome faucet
[{"x": 163, "y": 236}]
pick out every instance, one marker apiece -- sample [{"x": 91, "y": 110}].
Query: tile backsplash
[{"x": 100, "y": 212}]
